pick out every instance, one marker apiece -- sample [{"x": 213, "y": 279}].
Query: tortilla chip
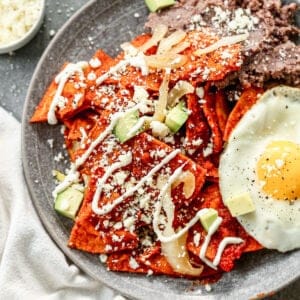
[
  {"x": 207, "y": 67},
  {"x": 100, "y": 240},
  {"x": 73, "y": 88},
  {"x": 245, "y": 102},
  {"x": 210, "y": 165},
  {"x": 222, "y": 110},
  {"x": 148, "y": 151},
  {"x": 90, "y": 232},
  {"x": 156, "y": 263},
  {"x": 41, "y": 112},
  {"x": 197, "y": 129},
  {"x": 209, "y": 110}
]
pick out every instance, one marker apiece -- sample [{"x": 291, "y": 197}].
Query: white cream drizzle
[
  {"x": 114, "y": 69},
  {"x": 114, "y": 119},
  {"x": 212, "y": 229},
  {"x": 138, "y": 61},
  {"x": 226, "y": 241},
  {"x": 124, "y": 160},
  {"x": 135, "y": 59},
  {"x": 169, "y": 211},
  {"x": 109, "y": 207},
  {"x": 139, "y": 124},
  {"x": 174, "y": 236},
  {"x": 83, "y": 134},
  {"x": 77, "y": 98},
  {"x": 182, "y": 231},
  {"x": 73, "y": 175},
  {"x": 192, "y": 222},
  {"x": 61, "y": 79}
]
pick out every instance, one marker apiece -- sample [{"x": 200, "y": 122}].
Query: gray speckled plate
[{"x": 106, "y": 24}]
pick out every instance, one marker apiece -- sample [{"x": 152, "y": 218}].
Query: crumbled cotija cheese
[
  {"x": 16, "y": 18},
  {"x": 133, "y": 263}
]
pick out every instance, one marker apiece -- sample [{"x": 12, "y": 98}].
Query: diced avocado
[
  {"x": 68, "y": 202},
  {"x": 125, "y": 124},
  {"x": 240, "y": 205},
  {"x": 155, "y": 5},
  {"x": 208, "y": 218},
  {"x": 58, "y": 175},
  {"x": 176, "y": 117}
]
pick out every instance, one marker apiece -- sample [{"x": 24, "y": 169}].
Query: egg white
[{"x": 275, "y": 224}]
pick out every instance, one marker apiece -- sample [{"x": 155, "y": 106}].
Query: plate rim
[{"x": 70, "y": 253}]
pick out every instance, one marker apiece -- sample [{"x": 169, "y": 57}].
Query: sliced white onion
[
  {"x": 177, "y": 256},
  {"x": 161, "y": 105},
  {"x": 158, "y": 34},
  {"x": 189, "y": 184},
  {"x": 175, "y": 251},
  {"x": 180, "y": 89},
  {"x": 225, "y": 41},
  {"x": 180, "y": 47},
  {"x": 167, "y": 43},
  {"x": 129, "y": 49},
  {"x": 168, "y": 60}
]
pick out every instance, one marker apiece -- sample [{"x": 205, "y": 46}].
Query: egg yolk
[{"x": 278, "y": 170}]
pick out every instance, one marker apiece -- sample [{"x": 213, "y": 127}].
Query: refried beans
[{"x": 271, "y": 53}]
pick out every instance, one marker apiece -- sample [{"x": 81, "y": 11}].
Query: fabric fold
[{"x": 31, "y": 265}]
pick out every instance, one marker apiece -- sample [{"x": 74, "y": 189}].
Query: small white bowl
[{"x": 28, "y": 36}]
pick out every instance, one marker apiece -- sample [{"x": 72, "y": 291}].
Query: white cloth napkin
[{"x": 31, "y": 265}]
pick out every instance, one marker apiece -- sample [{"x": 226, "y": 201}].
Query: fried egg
[{"x": 262, "y": 158}]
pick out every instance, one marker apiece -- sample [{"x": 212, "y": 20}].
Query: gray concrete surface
[{"x": 16, "y": 71}]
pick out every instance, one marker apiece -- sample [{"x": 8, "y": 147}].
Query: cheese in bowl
[{"x": 19, "y": 21}]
